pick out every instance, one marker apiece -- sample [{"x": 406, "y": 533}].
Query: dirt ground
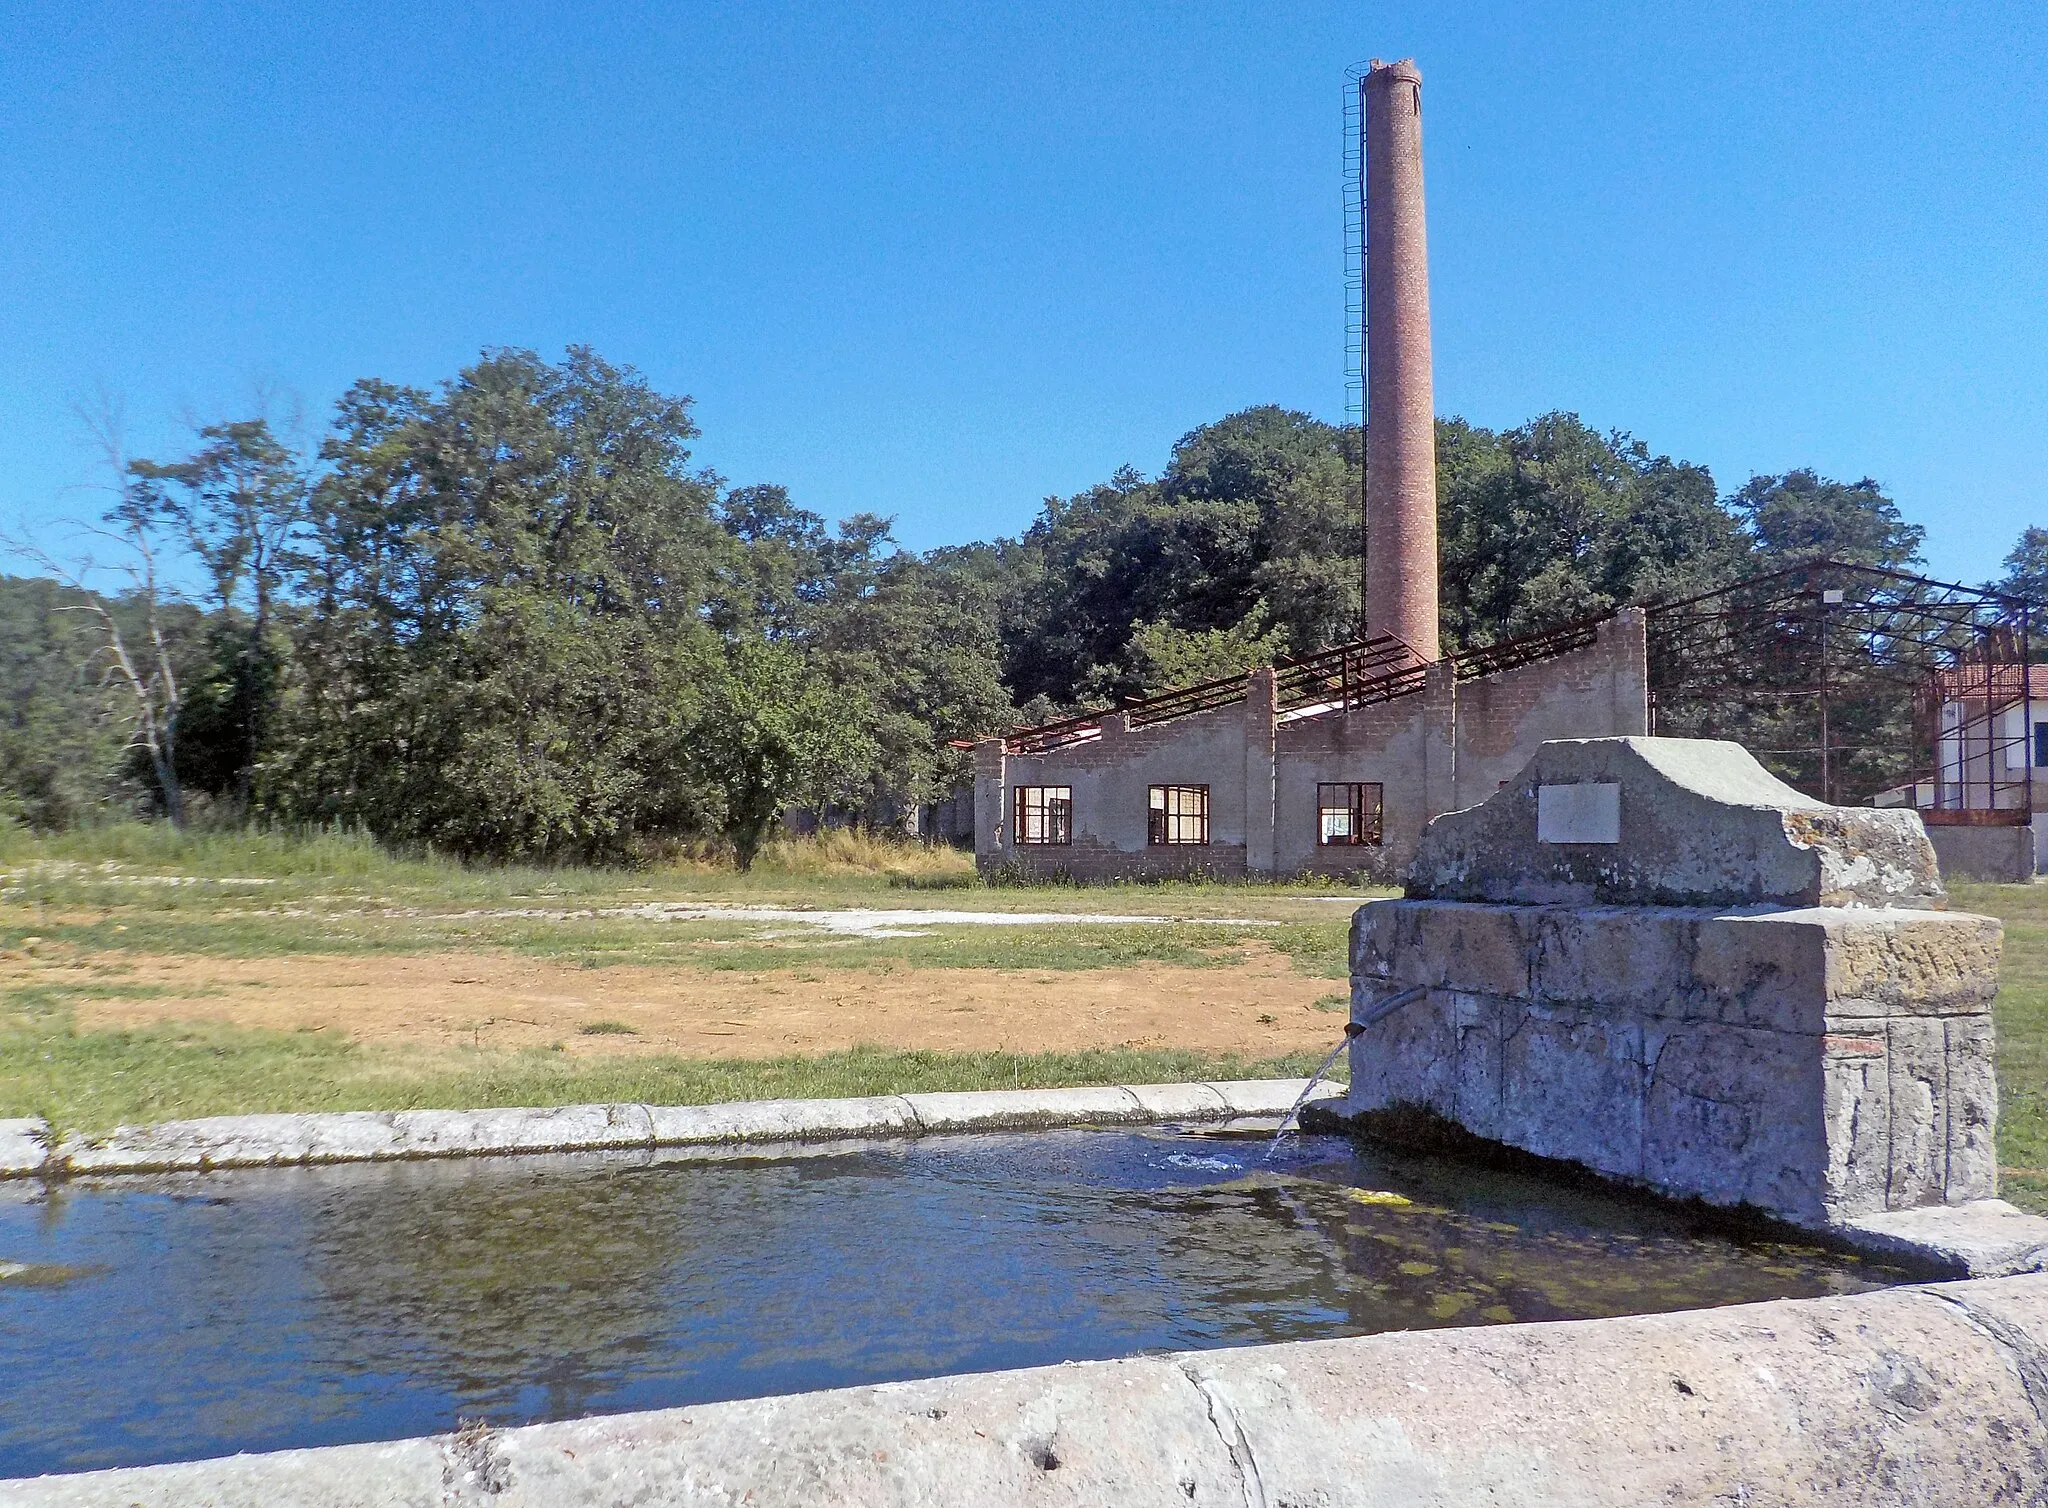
[{"x": 1257, "y": 1008}]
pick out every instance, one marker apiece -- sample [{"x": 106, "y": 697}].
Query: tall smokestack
[{"x": 1400, "y": 495}]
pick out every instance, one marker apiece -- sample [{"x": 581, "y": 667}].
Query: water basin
[{"x": 158, "y": 1319}]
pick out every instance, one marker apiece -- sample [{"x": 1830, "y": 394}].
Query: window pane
[
  {"x": 1045, "y": 813},
  {"x": 1177, "y": 814},
  {"x": 1348, "y": 813}
]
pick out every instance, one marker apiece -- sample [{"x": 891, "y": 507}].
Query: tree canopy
[{"x": 513, "y": 616}]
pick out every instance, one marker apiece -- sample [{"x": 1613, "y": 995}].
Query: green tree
[
  {"x": 1554, "y": 521},
  {"x": 61, "y": 736},
  {"x": 771, "y": 732},
  {"x": 506, "y": 588},
  {"x": 1802, "y": 516},
  {"x": 238, "y": 502},
  {"x": 2026, "y": 568},
  {"x": 1160, "y": 656},
  {"x": 913, "y": 639},
  {"x": 1254, "y": 513}
]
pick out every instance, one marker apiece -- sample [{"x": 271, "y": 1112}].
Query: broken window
[
  {"x": 1045, "y": 814},
  {"x": 1348, "y": 814},
  {"x": 1178, "y": 814}
]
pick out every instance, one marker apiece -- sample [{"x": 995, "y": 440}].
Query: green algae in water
[{"x": 41, "y": 1274}]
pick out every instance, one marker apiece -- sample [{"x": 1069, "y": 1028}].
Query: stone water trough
[
  {"x": 1651, "y": 958},
  {"x": 1645, "y": 957}
]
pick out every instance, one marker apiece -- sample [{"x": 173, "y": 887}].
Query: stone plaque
[{"x": 1585, "y": 812}]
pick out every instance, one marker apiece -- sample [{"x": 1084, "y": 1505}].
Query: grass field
[
  {"x": 123, "y": 920},
  {"x": 2022, "y": 1035},
  {"x": 113, "y": 922}
]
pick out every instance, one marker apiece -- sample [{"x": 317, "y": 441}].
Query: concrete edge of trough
[
  {"x": 29, "y": 1148},
  {"x": 1923, "y": 1395}
]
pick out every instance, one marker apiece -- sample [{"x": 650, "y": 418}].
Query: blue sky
[{"x": 940, "y": 260}]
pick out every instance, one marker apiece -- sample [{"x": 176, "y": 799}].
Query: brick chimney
[{"x": 1400, "y": 497}]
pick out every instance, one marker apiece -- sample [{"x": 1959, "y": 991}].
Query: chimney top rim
[{"x": 1403, "y": 70}]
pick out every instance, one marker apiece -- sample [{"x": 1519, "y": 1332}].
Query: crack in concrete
[
  {"x": 2026, "y": 1359},
  {"x": 1251, "y": 1489}
]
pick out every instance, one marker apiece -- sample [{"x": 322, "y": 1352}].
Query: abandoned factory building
[
  {"x": 1325, "y": 765},
  {"x": 1332, "y": 762}
]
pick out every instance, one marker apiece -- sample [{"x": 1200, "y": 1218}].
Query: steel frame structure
[
  {"x": 1837, "y": 676},
  {"x": 1840, "y": 677}
]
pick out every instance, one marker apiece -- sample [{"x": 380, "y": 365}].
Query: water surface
[{"x": 156, "y": 1319}]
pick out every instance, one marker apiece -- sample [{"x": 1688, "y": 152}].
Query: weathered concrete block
[
  {"x": 1701, "y": 823},
  {"x": 1824, "y": 1402},
  {"x": 254, "y": 1141},
  {"x": 1798, "y": 969},
  {"x": 1633, "y": 959},
  {"x": 563, "y": 1128},
  {"x": 1972, "y": 1109},
  {"x": 1920, "y": 963},
  {"x": 1572, "y": 1088},
  {"x": 240, "y": 1141},
  {"x": 1911, "y": 1396},
  {"x": 1733, "y": 1115},
  {"x": 779, "y": 1120},
  {"x": 1016, "y": 1108},
  {"x": 1180, "y": 1102},
  {"x": 1481, "y": 1025},
  {"x": 1263, "y": 1097},
  {"x": 1985, "y": 1238},
  {"x": 1856, "y": 1109},
  {"x": 1762, "y": 969},
  {"x": 1818, "y": 1062},
  {"x": 24, "y": 1147},
  {"x": 1487, "y": 949},
  {"x": 1407, "y": 1058},
  {"x": 1916, "y": 1054}
]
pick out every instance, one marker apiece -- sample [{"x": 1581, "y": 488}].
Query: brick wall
[{"x": 1448, "y": 747}]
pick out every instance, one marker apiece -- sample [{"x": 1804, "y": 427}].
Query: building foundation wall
[{"x": 2004, "y": 855}]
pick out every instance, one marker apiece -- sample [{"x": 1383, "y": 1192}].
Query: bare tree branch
[{"x": 150, "y": 681}]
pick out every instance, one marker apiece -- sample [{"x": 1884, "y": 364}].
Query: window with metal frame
[
  {"x": 1177, "y": 814},
  {"x": 1045, "y": 814},
  {"x": 1348, "y": 814}
]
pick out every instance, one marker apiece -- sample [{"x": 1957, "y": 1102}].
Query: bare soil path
[{"x": 1259, "y": 1006}]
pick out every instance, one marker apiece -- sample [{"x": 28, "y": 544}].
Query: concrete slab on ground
[
  {"x": 258, "y": 1141},
  {"x": 1986, "y": 1238}
]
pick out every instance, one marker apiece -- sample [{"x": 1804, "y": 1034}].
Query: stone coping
[
  {"x": 1922, "y": 1396},
  {"x": 29, "y": 1149},
  {"x": 1985, "y": 1238}
]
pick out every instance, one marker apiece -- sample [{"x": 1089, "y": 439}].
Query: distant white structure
[{"x": 1990, "y": 775}]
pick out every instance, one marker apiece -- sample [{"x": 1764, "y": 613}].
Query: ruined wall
[
  {"x": 1599, "y": 692},
  {"x": 2005, "y": 855},
  {"x": 1447, "y": 747},
  {"x": 1110, "y": 778},
  {"x": 1394, "y": 744}
]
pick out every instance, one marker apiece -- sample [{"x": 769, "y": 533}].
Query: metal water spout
[{"x": 1352, "y": 1031}]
